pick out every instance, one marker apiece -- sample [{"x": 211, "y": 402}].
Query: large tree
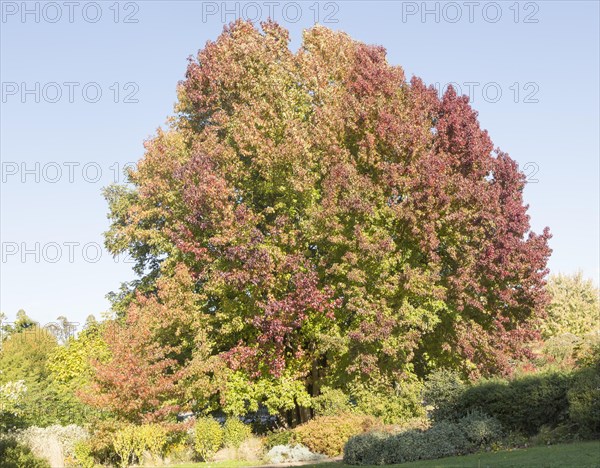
[{"x": 341, "y": 224}]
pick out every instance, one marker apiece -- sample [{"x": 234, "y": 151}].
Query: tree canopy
[
  {"x": 574, "y": 306},
  {"x": 315, "y": 219}
]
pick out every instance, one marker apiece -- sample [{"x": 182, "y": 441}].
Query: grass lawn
[
  {"x": 581, "y": 454},
  {"x": 223, "y": 464}
]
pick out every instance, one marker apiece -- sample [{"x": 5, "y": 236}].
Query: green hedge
[
  {"x": 584, "y": 401},
  {"x": 523, "y": 404}
]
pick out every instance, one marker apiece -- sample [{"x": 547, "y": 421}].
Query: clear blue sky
[{"x": 549, "y": 49}]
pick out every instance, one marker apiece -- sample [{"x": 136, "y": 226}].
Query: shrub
[
  {"x": 331, "y": 402},
  {"x": 279, "y": 438},
  {"x": 523, "y": 404},
  {"x": 584, "y": 401},
  {"x": 208, "y": 438},
  {"x": 83, "y": 454},
  {"x": 101, "y": 441},
  {"x": 441, "y": 391},
  {"x": 116, "y": 443},
  {"x": 235, "y": 432},
  {"x": 179, "y": 447},
  {"x": 150, "y": 437},
  {"x": 131, "y": 442},
  {"x": 442, "y": 440},
  {"x": 383, "y": 449},
  {"x": 251, "y": 449},
  {"x": 366, "y": 449},
  {"x": 514, "y": 439},
  {"x": 480, "y": 429},
  {"x": 328, "y": 434},
  {"x": 16, "y": 455},
  {"x": 124, "y": 444},
  {"x": 554, "y": 435},
  {"x": 291, "y": 454},
  {"x": 53, "y": 443},
  {"x": 416, "y": 423}
]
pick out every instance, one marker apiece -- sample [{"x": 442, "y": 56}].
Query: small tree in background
[
  {"x": 23, "y": 359},
  {"x": 149, "y": 357},
  {"x": 574, "y": 306}
]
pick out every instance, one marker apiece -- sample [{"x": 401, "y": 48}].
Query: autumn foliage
[{"x": 314, "y": 216}]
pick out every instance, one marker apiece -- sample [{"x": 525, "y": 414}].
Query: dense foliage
[
  {"x": 140, "y": 381},
  {"x": 235, "y": 432},
  {"x": 584, "y": 401},
  {"x": 328, "y": 434},
  {"x": 574, "y": 307},
  {"x": 335, "y": 224},
  {"x": 208, "y": 438},
  {"x": 526, "y": 404},
  {"x": 132, "y": 442},
  {"x": 29, "y": 394}
]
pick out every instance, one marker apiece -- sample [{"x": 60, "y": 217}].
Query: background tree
[
  {"x": 26, "y": 365},
  {"x": 570, "y": 329},
  {"x": 23, "y": 359},
  {"x": 341, "y": 225},
  {"x": 62, "y": 329},
  {"x": 71, "y": 365},
  {"x": 22, "y": 322},
  {"x": 573, "y": 308},
  {"x": 3, "y": 328}
]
